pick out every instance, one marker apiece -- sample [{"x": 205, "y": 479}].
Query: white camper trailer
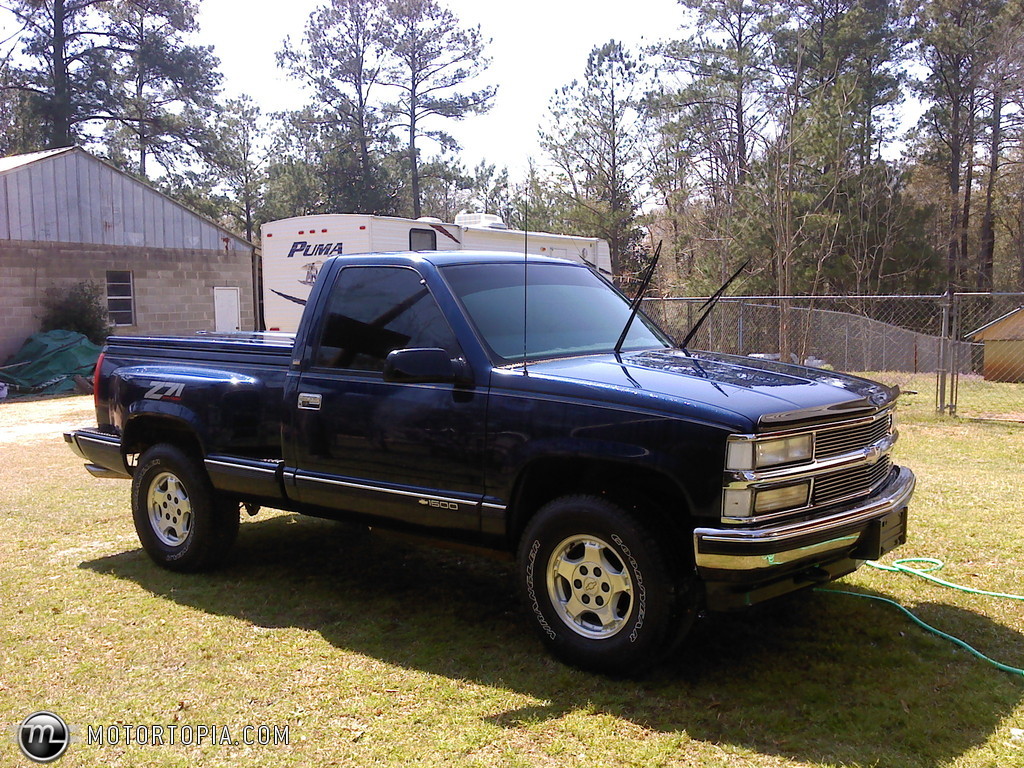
[{"x": 294, "y": 249}]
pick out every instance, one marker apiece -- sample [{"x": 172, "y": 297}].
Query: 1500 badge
[{"x": 439, "y": 504}]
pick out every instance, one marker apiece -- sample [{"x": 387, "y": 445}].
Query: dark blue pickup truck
[{"x": 483, "y": 398}]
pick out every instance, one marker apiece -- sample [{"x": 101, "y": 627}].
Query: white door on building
[{"x": 226, "y": 310}]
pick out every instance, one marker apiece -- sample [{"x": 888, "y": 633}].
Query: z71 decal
[{"x": 164, "y": 390}]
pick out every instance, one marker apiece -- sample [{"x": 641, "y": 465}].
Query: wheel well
[
  {"x": 648, "y": 494},
  {"x": 145, "y": 431}
]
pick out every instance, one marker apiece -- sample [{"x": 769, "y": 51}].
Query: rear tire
[
  {"x": 600, "y": 586},
  {"x": 182, "y": 522}
]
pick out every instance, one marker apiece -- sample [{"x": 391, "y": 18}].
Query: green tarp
[{"x": 48, "y": 363}]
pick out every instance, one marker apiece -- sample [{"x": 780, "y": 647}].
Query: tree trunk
[
  {"x": 988, "y": 232},
  {"x": 141, "y": 126},
  {"x": 965, "y": 219},
  {"x": 61, "y": 130},
  {"x": 1020, "y": 237},
  {"x": 414, "y": 162},
  {"x": 953, "y": 176},
  {"x": 414, "y": 168},
  {"x": 364, "y": 159},
  {"x": 364, "y": 142},
  {"x": 741, "y": 144}
]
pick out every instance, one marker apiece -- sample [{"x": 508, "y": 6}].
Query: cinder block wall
[{"x": 173, "y": 288}]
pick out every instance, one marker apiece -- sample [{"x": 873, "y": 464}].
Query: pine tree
[
  {"x": 164, "y": 103},
  {"x": 958, "y": 48},
  {"x": 341, "y": 58},
  {"x": 68, "y": 76},
  {"x": 122, "y": 63},
  {"x": 434, "y": 60},
  {"x": 598, "y": 144},
  {"x": 241, "y": 161}
]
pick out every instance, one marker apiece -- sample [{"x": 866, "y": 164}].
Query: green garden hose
[{"x": 901, "y": 566}]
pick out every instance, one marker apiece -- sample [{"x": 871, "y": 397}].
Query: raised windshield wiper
[
  {"x": 635, "y": 306},
  {"x": 709, "y": 305}
]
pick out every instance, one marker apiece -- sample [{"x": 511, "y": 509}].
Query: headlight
[
  {"x": 736, "y": 502},
  {"x": 755, "y": 454},
  {"x": 745, "y": 502},
  {"x": 786, "y": 497}
]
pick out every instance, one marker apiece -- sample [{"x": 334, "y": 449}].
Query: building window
[{"x": 120, "y": 298}]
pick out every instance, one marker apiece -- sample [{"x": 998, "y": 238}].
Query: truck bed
[
  {"x": 230, "y": 387},
  {"x": 261, "y": 348}
]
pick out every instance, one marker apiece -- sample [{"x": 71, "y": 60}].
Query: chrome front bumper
[{"x": 759, "y": 552}]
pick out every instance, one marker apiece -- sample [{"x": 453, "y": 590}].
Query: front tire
[
  {"x": 600, "y": 587},
  {"x": 182, "y": 522}
]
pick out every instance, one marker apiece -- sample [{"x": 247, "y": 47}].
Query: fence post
[
  {"x": 846, "y": 343},
  {"x": 741, "y": 347},
  {"x": 954, "y": 344},
  {"x": 945, "y": 352}
]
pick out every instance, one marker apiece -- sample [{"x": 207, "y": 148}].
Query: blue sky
[{"x": 537, "y": 47}]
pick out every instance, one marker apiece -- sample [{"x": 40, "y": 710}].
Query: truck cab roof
[{"x": 449, "y": 258}]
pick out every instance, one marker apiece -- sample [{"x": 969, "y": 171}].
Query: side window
[
  {"x": 422, "y": 240},
  {"x": 374, "y": 310}
]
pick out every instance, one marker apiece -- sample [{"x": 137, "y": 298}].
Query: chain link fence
[{"x": 967, "y": 348}]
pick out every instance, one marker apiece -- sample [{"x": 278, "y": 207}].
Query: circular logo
[{"x": 43, "y": 737}]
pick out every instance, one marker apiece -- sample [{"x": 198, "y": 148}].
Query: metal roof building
[{"x": 67, "y": 216}]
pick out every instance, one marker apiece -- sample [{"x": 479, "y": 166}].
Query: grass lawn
[
  {"x": 378, "y": 651},
  {"x": 976, "y": 399}
]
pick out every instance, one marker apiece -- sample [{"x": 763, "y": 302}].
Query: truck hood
[{"x": 765, "y": 394}]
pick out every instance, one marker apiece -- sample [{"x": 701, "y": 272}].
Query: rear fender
[{"x": 209, "y": 404}]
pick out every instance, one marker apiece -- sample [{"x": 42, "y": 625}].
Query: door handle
[{"x": 309, "y": 402}]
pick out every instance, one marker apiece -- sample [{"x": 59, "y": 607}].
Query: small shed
[
  {"x": 1004, "y": 346},
  {"x": 67, "y": 216}
]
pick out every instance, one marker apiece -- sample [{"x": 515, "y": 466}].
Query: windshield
[{"x": 570, "y": 310}]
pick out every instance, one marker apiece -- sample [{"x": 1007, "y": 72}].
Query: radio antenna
[{"x": 526, "y": 268}]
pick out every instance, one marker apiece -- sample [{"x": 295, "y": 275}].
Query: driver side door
[{"x": 408, "y": 451}]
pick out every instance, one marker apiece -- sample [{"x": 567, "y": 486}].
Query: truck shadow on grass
[{"x": 814, "y": 677}]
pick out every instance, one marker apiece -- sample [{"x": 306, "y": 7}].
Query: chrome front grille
[
  {"x": 850, "y": 461},
  {"x": 836, "y": 442},
  {"x": 850, "y": 483}
]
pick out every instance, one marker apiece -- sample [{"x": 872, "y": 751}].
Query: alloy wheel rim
[
  {"x": 590, "y": 586},
  {"x": 170, "y": 510}
]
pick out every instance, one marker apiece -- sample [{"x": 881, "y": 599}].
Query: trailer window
[{"x": 422, "y": 240}]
